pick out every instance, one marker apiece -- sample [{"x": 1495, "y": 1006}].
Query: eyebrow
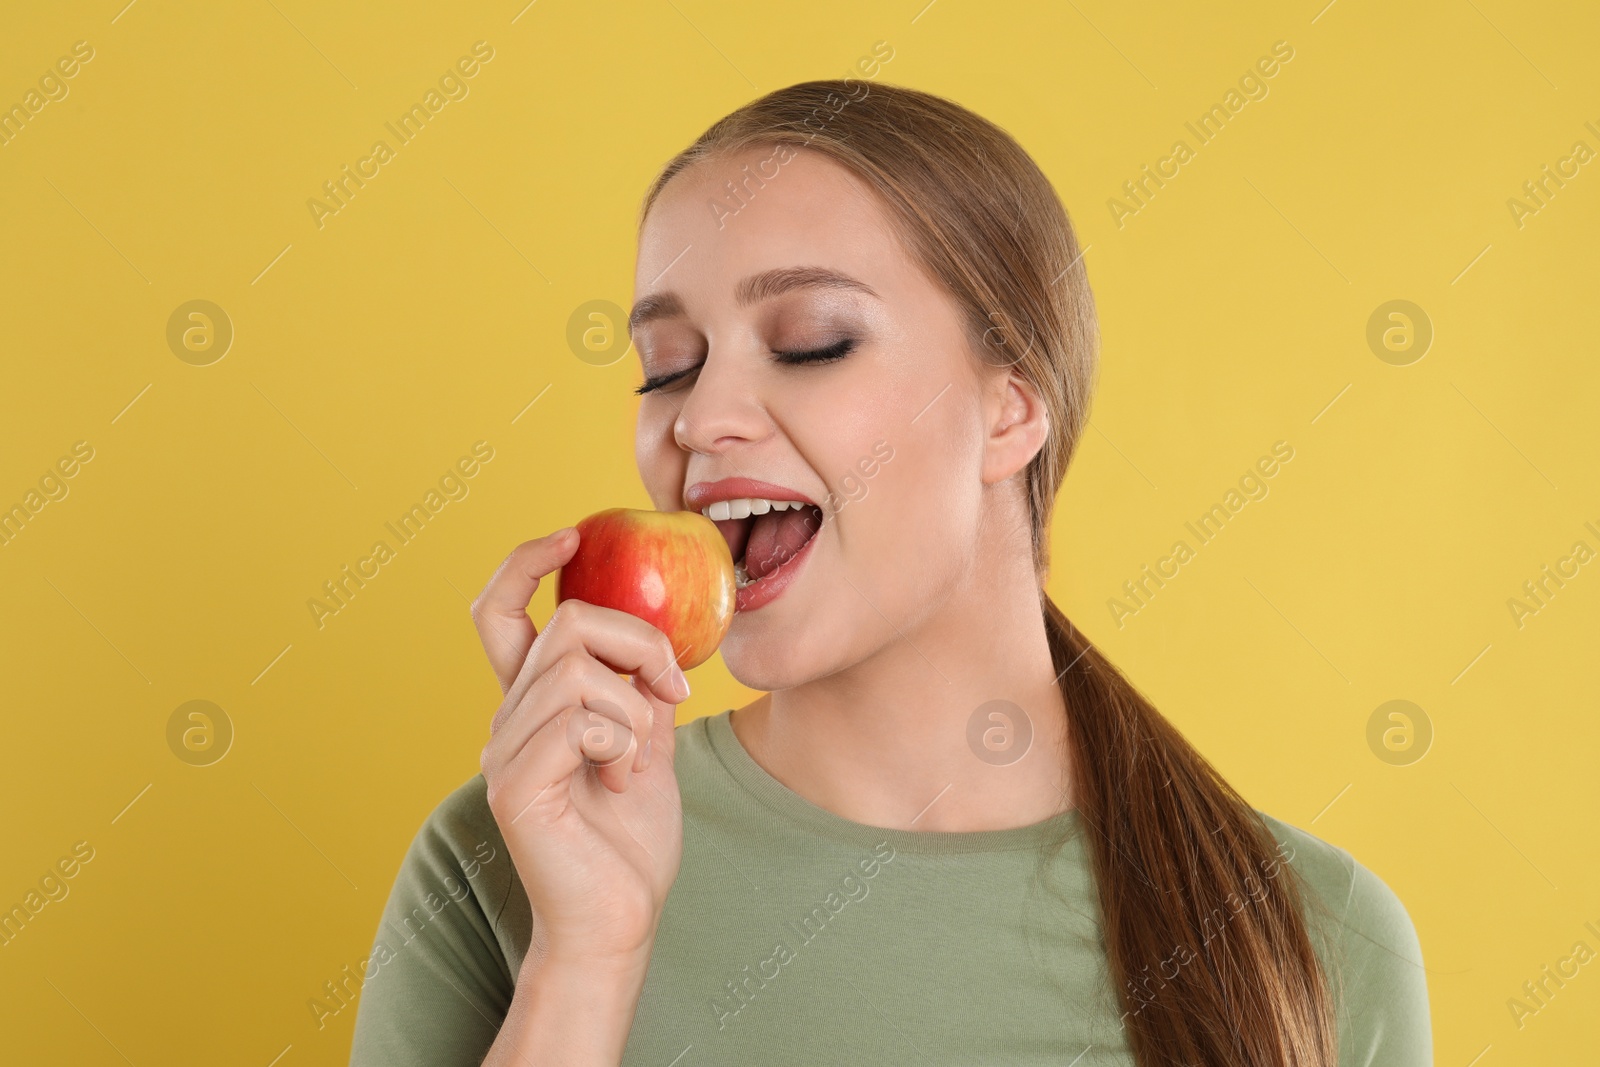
[{"x": 752, "y": 290}]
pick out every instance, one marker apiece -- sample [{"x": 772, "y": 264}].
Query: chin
[
  {"x": 769, "y": 659},
  {"x": 766, "y": 662}
]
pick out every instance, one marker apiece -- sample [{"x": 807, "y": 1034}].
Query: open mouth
[{"x": 763, "y": 534}]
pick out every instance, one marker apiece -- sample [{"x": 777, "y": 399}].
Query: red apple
[{"x": 670, "y": 568}]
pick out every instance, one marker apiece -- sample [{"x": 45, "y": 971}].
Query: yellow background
[{"x": 371, "y": 353}]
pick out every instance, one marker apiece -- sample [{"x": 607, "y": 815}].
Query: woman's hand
[{"x": 579, "y": 764}]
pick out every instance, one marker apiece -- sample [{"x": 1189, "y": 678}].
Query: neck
[{"x": 925, "y": 734}]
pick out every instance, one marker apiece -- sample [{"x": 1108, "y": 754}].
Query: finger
[
  {"x": 662, "y": 744},
  {"x": 576, "y": 737},
  {"x": 501, "y": 610},
  {"x": 604, "y": 737},
  {"x": 576, "y": 680},
  {"x": 617, "y": 639},
  {"x": 535, "y": 783},
  {"x": 597, "y": 733},
  {"x": 535, "y": 778}
]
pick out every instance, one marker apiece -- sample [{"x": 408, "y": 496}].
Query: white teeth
[{"x": 745, "y": 507}]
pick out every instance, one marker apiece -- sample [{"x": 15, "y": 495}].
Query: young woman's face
[{"x": 884, "y": 443}]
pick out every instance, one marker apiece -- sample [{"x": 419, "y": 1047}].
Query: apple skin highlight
[{"x": 670, "y": 568}]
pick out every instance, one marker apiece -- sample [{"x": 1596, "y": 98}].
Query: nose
[{"x": 724, "y": 407}]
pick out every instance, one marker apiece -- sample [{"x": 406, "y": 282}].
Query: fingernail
[
  {"x": 561, "y": 533},
  {"x": 647, "y": 745},
  {"x": 679, "y": 682}
]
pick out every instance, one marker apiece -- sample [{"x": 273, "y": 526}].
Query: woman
[{"x": 951, "y": 832}]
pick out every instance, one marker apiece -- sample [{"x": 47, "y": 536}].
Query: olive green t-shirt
[{"x": 795, "y": 936}]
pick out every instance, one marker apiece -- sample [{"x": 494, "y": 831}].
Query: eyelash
[{"x": 836, "y": 351}]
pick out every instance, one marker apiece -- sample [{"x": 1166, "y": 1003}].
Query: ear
[{"x": 1017, "y": 425}]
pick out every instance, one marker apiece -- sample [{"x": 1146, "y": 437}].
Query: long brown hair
[{"x": 1209, "y": 953}]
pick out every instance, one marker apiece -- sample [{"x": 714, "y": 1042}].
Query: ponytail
[{"x": 1200, "y": 910}]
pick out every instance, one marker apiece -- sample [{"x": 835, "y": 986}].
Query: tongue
[{"x": 776, "y": 537}]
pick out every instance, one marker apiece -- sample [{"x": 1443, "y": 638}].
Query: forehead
[{"x": 809, "y": 210}]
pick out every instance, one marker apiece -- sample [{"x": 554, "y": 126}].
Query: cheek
[
  {"x": 660, "y": 461},
  {"x": 919, "y": 505}
]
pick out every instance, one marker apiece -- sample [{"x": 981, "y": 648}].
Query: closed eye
[
  {"x": 837, "y": 350},
  {"x": 651, "y": 384}
]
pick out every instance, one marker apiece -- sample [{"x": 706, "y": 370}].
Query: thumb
[{"x": 501, "y": 611}]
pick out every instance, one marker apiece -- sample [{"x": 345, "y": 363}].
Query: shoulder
[
  {"x": 458, "y": 856},
  {"x": 464, "y": 811},
  {"x": 440, "y": 972},
  {"x": 1362, "y": 904},
  {"x": 459, "y": 837},
  {"x": 1369, "y": 946}
]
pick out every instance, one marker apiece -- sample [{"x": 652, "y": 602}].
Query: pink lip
[{"x": 702, "y": 494}]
